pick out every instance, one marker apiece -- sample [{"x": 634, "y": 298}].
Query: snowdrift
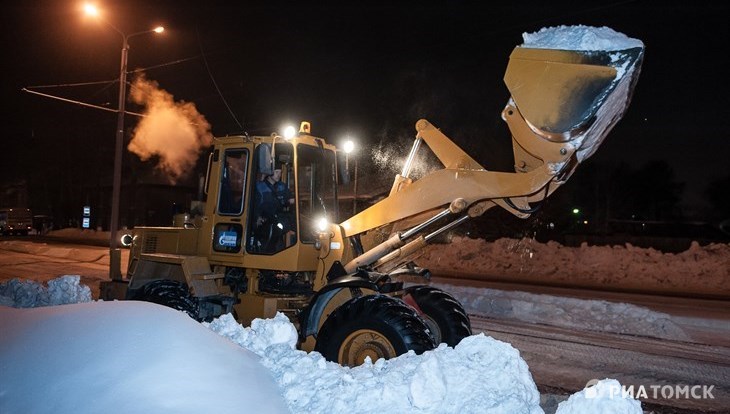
[{"x": 700, "y": 270}]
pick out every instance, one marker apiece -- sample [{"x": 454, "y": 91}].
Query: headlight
[
  {"x": 289, "y": 132},
  {"x": 322, "y": 225},
  {"x": 127, "y": 240}
]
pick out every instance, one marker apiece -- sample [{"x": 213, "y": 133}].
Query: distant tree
[
  {"x": 652, "y": 192},
  {"x": 620, "y": 203},
  {"x": 718, "y": 194}
]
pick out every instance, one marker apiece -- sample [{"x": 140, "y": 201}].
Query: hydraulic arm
[{"x": 563, "y": 105}]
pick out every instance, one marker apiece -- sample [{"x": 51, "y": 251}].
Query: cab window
[
  {"x": 316, "y": 187},
  {"x": 272, "y": 223},
  {"x": 233, "y": 182}
]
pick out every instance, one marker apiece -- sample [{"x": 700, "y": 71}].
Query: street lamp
[
  {"x": 114, "y": 252},
  {"x": 349, "y": 147}
]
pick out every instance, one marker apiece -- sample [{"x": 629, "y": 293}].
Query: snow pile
[
  {"x": 579, "y": 38},
  {"x": 262, "y": 335},
  {"x": 698, "y": 270},
  {"x": 60, "y": 356},
  {"x": 480, "y": 375},
  {"x": 29, "y": 294},
  {"x": 604, "y": 397},
  {"x": 582, "y": 314},
  {"x": 125, "y": 357}
]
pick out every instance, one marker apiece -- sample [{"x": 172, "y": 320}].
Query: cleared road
[
  {"x": 45, "y": 261},
  {"x": 563, "y": 361}
]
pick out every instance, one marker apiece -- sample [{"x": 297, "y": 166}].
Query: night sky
[{"x": 369, "y": 70}]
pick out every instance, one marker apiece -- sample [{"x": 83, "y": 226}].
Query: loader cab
[
  {"x": 268, "y": 193},
  {"x": 294, "y": 187}
]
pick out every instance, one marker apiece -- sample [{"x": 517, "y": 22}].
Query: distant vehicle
[{"x": 15, "y": 221}]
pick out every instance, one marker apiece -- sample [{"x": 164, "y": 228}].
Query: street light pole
[{"x": 115, "y": 256}]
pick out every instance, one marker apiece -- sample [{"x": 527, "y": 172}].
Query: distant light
[
  {"x": 576, "y": 211},
  {"x": 158, "y": 29},
  {"x": 289, "y": 132},
  {"x": 348, "y": 146},
  {"x": 91, "y": 9},
  {"x": 585, "y": 221}
]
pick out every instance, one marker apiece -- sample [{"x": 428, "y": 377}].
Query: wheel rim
[{"x": 365, "y": 343}]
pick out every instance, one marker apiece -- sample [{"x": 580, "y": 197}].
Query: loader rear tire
[
  {"x": 374, "y": 326},
  {"x": 169, "y": 293},
  {"x": 443, "y": 314}
]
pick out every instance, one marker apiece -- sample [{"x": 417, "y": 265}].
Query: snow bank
[
  {"x": 125, "y": 357},
  {"x": 604, "y": 397},
  {"x": 703, "y": 270},
  {"x": 138, "y": 357},
  {"x": 480, "y": 375},
  {"x": 581, "y": 314},
  {"x": 29, "y": 294}
]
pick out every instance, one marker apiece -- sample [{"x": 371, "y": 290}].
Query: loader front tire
[
  {"x": 444, "y": 315},
  {"x": 374, "y": 326},
  {"x": 169, "y": 293}
]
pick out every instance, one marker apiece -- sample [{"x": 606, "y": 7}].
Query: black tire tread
[
  {"x": 445, "y": 310},
  {"x": 387, "y": 315},
  {"x": 169, "y": 293}
]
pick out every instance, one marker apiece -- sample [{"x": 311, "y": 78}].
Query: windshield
[{"x": 316, "y": 185}]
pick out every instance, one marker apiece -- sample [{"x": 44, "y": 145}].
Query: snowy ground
[
  {"x": 579, "y": 314},
  {"x": 134, "y": 357}
]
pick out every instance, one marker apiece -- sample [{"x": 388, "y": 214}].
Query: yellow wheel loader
[{"x": 342, "y": 284}]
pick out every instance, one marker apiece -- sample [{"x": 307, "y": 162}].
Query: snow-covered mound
[
  {"x": 125, "y": 357},
  {"x": 480, "y": 375},
  {"x": 604, "y": 397},
  {"x": 30, "y": 294},
  {"x": 574, "y": 313},
  {"x": 137, "y": 357},
  {"x": 698, "y": 270}
]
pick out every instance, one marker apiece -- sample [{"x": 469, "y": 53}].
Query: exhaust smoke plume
[{"x": 175, "y": 132}]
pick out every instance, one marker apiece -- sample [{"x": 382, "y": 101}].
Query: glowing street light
[
  {"x": 91, "y": 10},
  {"x": 114, "y": 252}
]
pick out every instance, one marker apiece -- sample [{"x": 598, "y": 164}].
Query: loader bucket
[{"x": 573, "y": 95}]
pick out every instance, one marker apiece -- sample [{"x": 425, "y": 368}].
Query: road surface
[
  {"x": 24, "y": 259},
  {"x": 563, "y": 361}
]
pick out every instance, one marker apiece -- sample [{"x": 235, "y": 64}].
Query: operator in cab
[{"x": 274, "y": 223}]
